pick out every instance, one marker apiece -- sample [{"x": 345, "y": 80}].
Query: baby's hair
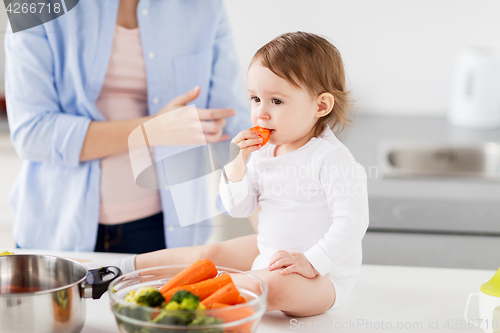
[{"x": 310, "y": 61}]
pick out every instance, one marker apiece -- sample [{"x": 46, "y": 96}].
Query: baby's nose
[{"x": 262, "y": 113}]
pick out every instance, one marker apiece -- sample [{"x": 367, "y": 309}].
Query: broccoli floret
[
  {"x": 179, "y": 318},
  {"x": 174, "y": 315},
  {"x": 177, "y": 312},
  {"x": 169, "y": 318},
  {"x": 206, "y": 320},
  {"x": 148, "y": 296},
  {"x": 186, "y": 300},
  {"x": 133, "y": 312},
  {"x": 189, "y": 304},
  {"x": 173, "y": 305},
  {"x": 130, "y": 297}
]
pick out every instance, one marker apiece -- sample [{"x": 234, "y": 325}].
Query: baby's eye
[
  {"x": 255, "y": 99},
  {"x": 276, "y": 101}
]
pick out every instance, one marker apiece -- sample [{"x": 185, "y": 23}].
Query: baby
[{"x": 312, "y": 193}]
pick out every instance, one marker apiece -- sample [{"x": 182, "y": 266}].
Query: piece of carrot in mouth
[{"x": 264, "y": 133}]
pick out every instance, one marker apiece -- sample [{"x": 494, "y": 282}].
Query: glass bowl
[{"x": 240, "y": 318}]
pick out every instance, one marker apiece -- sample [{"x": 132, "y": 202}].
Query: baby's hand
[
  {"x": 248, "y": 142},
  {"x": 295, "y": 262}
]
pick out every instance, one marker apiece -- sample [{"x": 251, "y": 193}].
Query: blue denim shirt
[{"x": 54, "y": 74}]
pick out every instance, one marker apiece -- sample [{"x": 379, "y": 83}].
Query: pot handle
[{"x": 95, "y": 285}]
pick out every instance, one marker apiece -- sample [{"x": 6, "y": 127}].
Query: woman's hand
[
  {"x": 248, "y": 142},
  {"x": 295, "y": 262},
  {"x": 182, "y": 127},
  {"x": 186, "y": 128}
]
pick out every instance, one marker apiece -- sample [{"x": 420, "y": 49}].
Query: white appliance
[{"x": 476, "y": 89}]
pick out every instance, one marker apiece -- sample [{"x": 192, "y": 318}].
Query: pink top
[{"x": 124, "y": 96}]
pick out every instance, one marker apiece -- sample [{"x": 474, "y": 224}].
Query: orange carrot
[
  {"x": 216, "y": 305},
  {"x": 199, "y": 271},
  {"x": 264, "y": 133},
  {"x": 201, "y": 289},
  {"x": 230, "y": 315},
  {"x": 226, "y": 295},
  {"x": 241, "y": 300}
]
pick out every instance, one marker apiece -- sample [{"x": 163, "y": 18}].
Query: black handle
[{"x": 95, "y": 279}]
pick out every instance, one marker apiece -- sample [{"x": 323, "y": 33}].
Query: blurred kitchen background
[{"x": 400, "y": 62}]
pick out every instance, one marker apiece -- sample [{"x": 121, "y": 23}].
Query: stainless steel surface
[
  {"x": 87, "y": 290},
  {"x": 471, "y": 217},
  {"x": 465, "y": 208},
  {"x": 56, "y": 307},
  {"x": 431, "y": 250},
  {"x": 410, "y": 159}
]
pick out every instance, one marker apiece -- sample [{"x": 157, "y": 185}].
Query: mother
[{"x": 78, "y": 85}]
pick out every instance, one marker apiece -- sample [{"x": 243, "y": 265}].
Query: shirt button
[
  {"x": 156, "y": 100},
  {"x": 151, "y": 55},
  {"x": 170, "y": 228},
  {"x": 145, "y": 12}
]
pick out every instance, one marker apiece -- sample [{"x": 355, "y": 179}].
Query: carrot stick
[
  {"x": 201, "y": 289},
  {"x": 241, "y": 300},
  {"x": 264, "y": 133},
  {"x": 226, "y": 295},
  {"x": 216, "y": 305},
  {"x": 229, "y": 315},
  {"x": 199, "y": 271}
]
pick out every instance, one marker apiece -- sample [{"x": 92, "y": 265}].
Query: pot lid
[{"x": 492, "y": 287}]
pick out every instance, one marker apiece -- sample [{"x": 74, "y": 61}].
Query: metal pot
[{"x": 40, "y": 293}]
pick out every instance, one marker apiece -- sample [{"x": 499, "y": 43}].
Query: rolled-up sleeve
[{"x": 40, "y": 130}]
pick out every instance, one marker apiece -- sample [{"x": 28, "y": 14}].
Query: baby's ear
[{"x": 325, "y": 103}]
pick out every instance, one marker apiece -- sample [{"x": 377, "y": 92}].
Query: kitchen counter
[{"x": 398, "y": 298}]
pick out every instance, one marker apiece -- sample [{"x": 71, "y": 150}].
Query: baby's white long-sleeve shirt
[{"x": 314, "y": 201}]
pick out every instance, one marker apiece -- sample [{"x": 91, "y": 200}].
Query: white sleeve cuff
[
  {"x": 231, "y": 193},
  {"x": 320, "y": 260},
  {"x": 126, "y": 265}
]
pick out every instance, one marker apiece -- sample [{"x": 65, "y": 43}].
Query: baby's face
[{"x": 289, "y": 111}]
